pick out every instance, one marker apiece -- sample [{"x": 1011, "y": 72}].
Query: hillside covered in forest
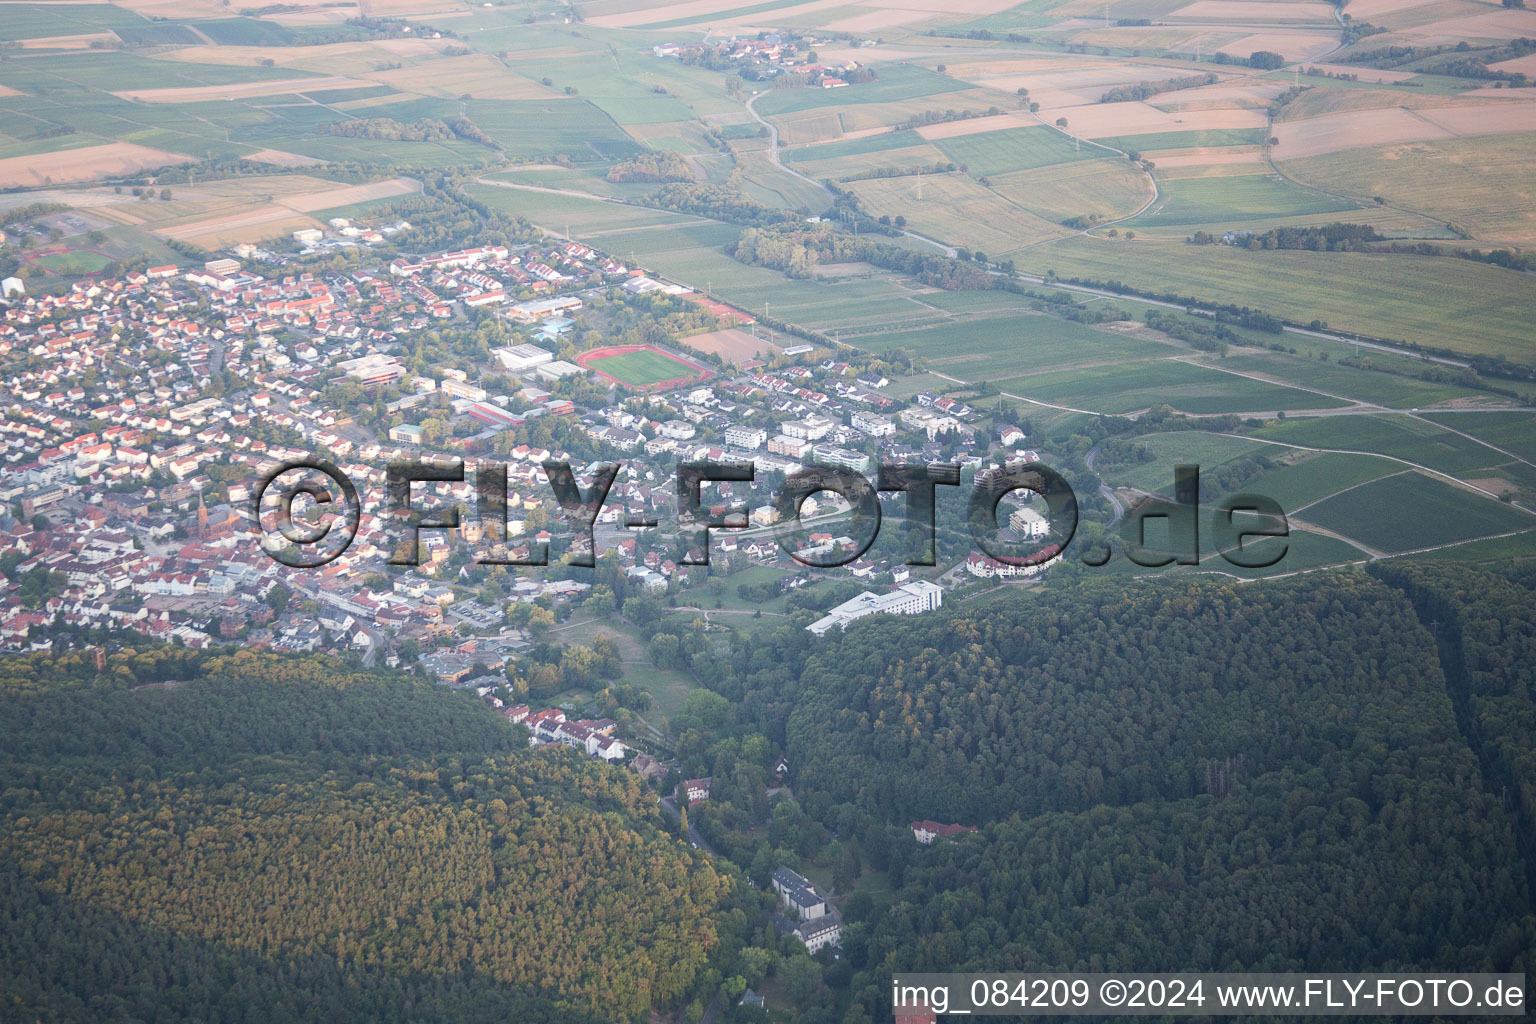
[
  {"x": 250, "y": 837},
  {"x": 1174, "y": 776}
]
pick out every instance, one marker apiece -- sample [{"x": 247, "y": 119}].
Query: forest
[
  {"x": 1328, "y": 772},
  {"x": 251, "y": 837}
]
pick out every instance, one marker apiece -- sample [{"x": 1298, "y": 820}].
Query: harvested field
[
  {"x": 977, "y": 125},
  {"x": 85, "y": 164},
  {"x": 734, "y": 346},
  {"x": 955, "y": 208},
  {"x": 1493, "y": 197},
  {"x": 278, "y": 158},
  {"x": 1524, "y": 65},
  {"x": 198, "y": 93},
  {"x": 1375, "y": 74},
  {"x": 1107, "y": 119},
  {"x": 326, "y": 200},
  {"x": 1297, "y": 44},
  {"x": 268, "y": 221},
  {"x": 1356, "y": 129},
  {"x": 77, "y": 42},
  {"x": 1495, "y": 25},
  {"x": 402, "y": 8},
  {"x": 175, "y": 10},
  {"x": 1228, "y": 11},
  {"x": 333, "y": 58},
  {"x": 1210, "y": 157}
]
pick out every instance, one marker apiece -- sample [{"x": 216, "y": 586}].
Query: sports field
[{"x": 641, "y": 367}]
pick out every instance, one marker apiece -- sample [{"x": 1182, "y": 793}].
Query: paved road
[
  {"x": 669, "y": 805},
  {"x": 773, "y": 147}
]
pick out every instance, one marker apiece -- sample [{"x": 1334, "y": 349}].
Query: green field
[
  {"x": 539, "y": 128},
  {"x": 1008, "y": 346},
  {"x": 1235, "y": 201},
  {"x": 895, "y": 82},
  {"x": 1410, "y": 511},
  {"x": 1188, "y": 387},
  {"x": 1388, "y": 389},
  {"x": 1299, "y": 485},
  {"x": 75, "y": 261},
  {"x": 1512, "y": 431},
  {"x": 641, "y": 369},
  {"x": 1012, "y": 149},
  {"x": 1443, "y": 302},
  {"x": 1400, "y": 436},
  {"x": 38, "y": 21}
]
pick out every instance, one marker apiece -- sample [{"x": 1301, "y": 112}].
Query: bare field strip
[
  {"x": 241, "y": 90},
  {"x": 1292, "y": 44},
  {"x": 336, "y": 58},
  {"x": 85, "y": 164},
  {"x": 1214, "y": 157},
  {"x": 1106, "y": 119},
  {"x": 278, "y": 158},
  {"x": 1268, "y": 11},
  {"x": 308, "y": 203},
  {"x": 248, "y": 224},
  {"x": 76, "y": 42},
  {"x": 976, "y": 125},
  {"x": 1355, "y": 129},
  {"x": 175, "y": 10},
  {"x": 735, "y": 346}
]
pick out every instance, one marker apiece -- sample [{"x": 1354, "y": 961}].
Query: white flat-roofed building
[
  {"x": 518, "y": 358},
  {"x": 749, "y": 438},
  {"x": 908, "y": 599}
]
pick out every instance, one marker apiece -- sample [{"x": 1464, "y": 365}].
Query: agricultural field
[
  {"x": 1007, "y": 346},
  {"x": 1188, "y": 202},
  {"x": 1405, "y": 298},
  {"x": 1413, "y": 441},
  {"x": 1409, "y": 511},
  {"x": 1493, "y": 199},
  {"x": 1188, "y": 387}
]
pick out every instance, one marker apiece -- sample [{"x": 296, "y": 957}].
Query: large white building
[
  {"x": 518, "y": 358},
  {"x": 908, "y": 599},
  {"x": 750, "y": 438}
]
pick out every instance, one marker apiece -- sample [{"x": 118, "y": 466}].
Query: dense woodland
[
  {"x": 1331, "y": 772},
  {"x": 257, "y": 838},
  {"x": 1182, "y": 776}
]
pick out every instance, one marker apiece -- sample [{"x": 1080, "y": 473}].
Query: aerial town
[{"x": 141, "y": 413}]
